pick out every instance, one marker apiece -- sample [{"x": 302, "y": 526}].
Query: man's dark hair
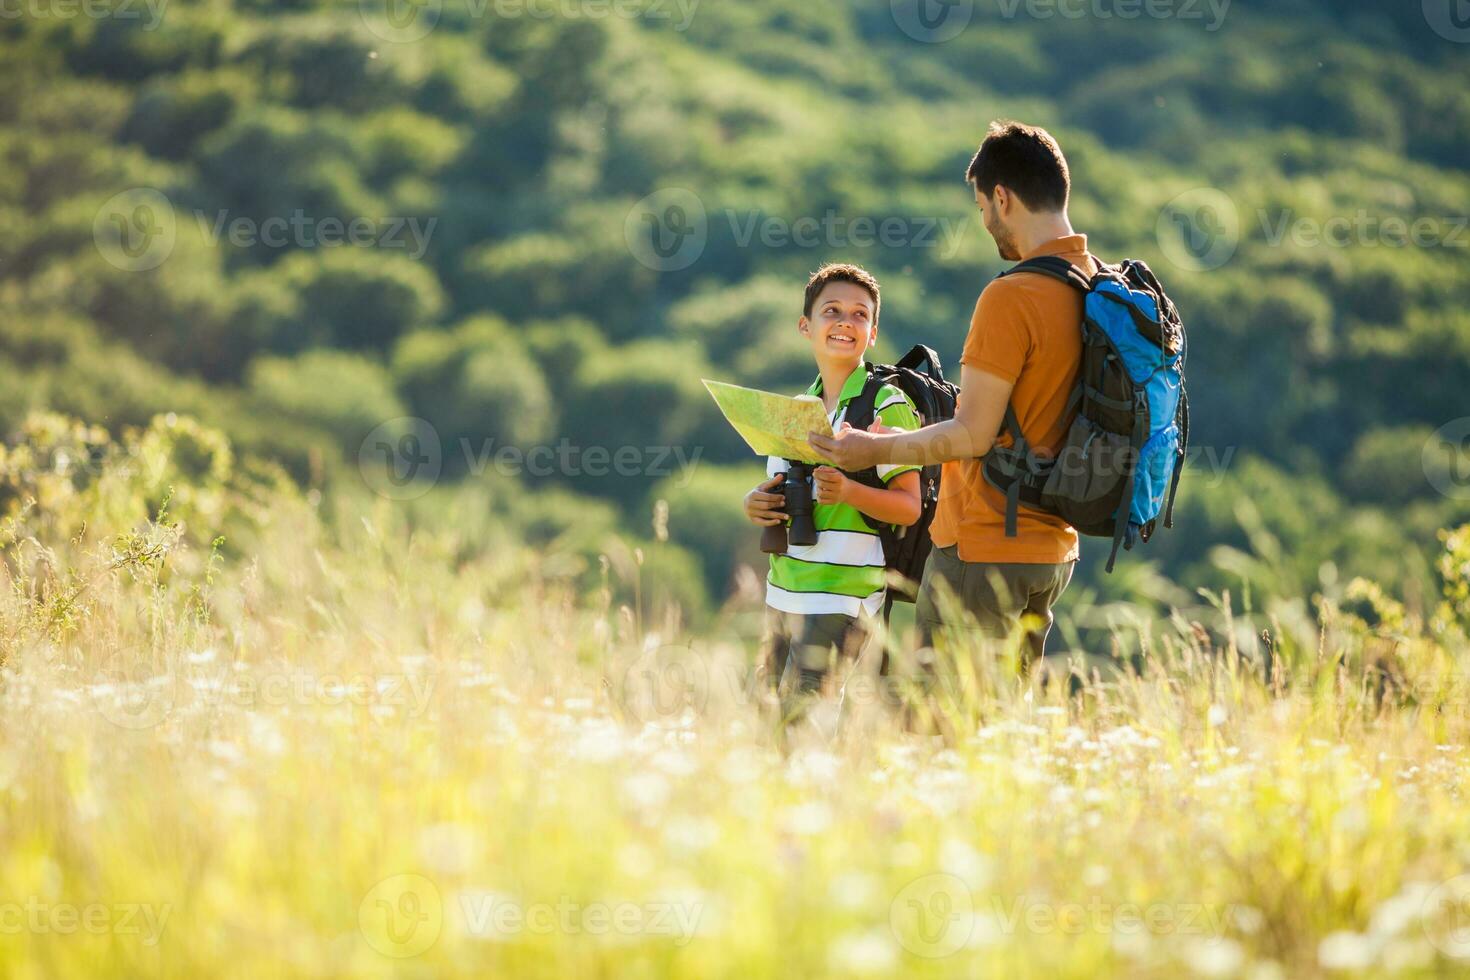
[
  {"x": 840, "y": 272},
  {"x": 1025, "y": 159}
]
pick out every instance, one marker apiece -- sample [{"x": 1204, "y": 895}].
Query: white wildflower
[
  {"x": 1346, "y": 951},
  {"x": 808, "y": 819},
  {"x": 1216, "y": 957},
  {"x": 873, "y": 951}
]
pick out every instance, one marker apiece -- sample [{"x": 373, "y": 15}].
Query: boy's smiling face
[{"x": 841, "y": 326}]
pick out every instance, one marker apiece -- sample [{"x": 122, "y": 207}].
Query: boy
[{"x": 822, "y": 600}]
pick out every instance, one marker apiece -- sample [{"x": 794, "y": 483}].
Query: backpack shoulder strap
[
  {"x": 1057, "y": 268},
  {"x": 923, "y": 359},
  {"x": 861, "y": 413},
  {"x": 863, "y": 407},
  {"x": 1017, "y": 462}
]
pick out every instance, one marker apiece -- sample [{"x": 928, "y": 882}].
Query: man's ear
[
  {"x": 1000, "y": 199},
  {"x": 803, "y": 326},
  {"x": 873, "y": 337}
]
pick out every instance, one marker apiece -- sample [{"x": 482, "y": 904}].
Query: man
[{"x": 1024, "y": 349}]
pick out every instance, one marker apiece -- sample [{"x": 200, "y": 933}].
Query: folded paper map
[{"x": 772, "y": 425}]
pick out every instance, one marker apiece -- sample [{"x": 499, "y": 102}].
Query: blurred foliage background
[{"x": 496, "y": 161}]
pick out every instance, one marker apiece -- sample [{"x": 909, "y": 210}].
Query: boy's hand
[
  {"x": 763, "y": 507},
  {"x": 831, "y": 485}
]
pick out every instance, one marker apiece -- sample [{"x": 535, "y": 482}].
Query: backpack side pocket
[{"x": 1087, "y": 478}]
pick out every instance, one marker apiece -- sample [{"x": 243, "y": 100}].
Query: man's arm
[{"x": 970, "y": 434}]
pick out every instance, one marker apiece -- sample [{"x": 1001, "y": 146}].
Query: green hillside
[{"x": 307, "y": 223}]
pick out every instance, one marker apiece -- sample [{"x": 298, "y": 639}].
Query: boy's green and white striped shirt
[{"x": 844, "y": 571}]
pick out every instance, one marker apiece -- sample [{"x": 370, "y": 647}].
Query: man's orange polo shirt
[{"x": 1026, "y": 329}]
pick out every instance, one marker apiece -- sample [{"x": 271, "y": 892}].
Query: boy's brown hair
[
  {"x": 840, "y": 272},
  {"x": 1025, "y": 159}
]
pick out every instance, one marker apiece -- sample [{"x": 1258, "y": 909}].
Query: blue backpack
[{"x": 1118, "y": 470}]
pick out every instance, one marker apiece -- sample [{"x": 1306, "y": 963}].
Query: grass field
[{"x": 348, "y": 748}]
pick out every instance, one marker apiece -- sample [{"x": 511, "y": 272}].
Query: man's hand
[
  {"x": 969, "y": 435},
  {"x": 831, "y": 485},
  {"x": 850, "y": 449},
  {"x": 763, "y": 507}
]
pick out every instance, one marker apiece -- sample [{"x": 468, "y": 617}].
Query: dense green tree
[
  {"x": 361, "y": 297},
  {"x": 529, "y": 308},
  {"x": 478, "y": 387},
  {"x": 345, "y": 395}
]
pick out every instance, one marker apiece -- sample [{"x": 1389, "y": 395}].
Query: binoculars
[{"x": 797, "y": 489}]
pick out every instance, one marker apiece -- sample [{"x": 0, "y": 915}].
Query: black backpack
[
  {"x": 1117, "y": 472},
  {"x": 919, "y": 375}
]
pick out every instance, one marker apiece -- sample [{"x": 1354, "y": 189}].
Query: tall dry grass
[{"x": 341, "y": 744}]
